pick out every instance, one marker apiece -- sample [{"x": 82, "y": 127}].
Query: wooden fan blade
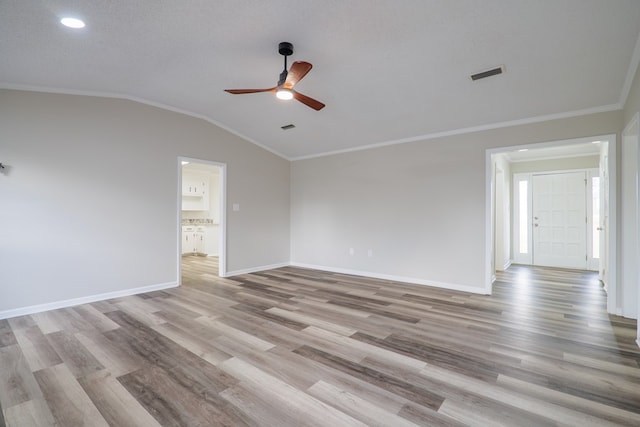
[
  {"x": 309, "y": 102},
  {"x": 241, "y": 91},
  {"x": 298, "y": 70}
]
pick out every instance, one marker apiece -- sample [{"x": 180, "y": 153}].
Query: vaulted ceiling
[{"x": 387, "y": 70}]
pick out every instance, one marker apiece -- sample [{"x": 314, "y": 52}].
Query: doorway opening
[
  {"x": 201, "y": 219},
  {"x": 554, "y": 206}
]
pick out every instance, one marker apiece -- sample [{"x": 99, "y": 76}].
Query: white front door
[{"x": 560, "y": 220}]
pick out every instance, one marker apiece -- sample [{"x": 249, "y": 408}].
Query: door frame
[
  {"x": 629, "y": 277},
  {"x": 222, "y": 188},
  {"x": 611, "y": 140}
]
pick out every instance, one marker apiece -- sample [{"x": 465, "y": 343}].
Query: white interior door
[{"x": 560, "y": 220}]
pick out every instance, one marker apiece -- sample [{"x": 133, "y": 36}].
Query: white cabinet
[
  {"x": 193, "y": 240},
  {"x": 195, "y": 192},
  {"x": 212, "y": 240},
  {"x": 194, "y": 185}
]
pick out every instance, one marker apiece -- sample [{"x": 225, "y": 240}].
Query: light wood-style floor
[{"x": 296, "y": 347}]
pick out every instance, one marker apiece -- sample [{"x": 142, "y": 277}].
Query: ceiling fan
[{"x": 288, "y": 79}]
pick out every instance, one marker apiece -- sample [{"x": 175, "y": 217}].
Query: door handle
[
  {"x": 535, "y": 225},
  {"x": 599, "y": 228}
]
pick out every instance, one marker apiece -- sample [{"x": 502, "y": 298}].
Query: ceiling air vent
[
  {"x": 287, "y": 127},
  {"x": 488, "y": 73}
]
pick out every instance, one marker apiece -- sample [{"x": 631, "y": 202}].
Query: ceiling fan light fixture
[{"x": 284, "y": 94}]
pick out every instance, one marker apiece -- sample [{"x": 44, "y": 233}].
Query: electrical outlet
[
  {"x": 370, "y": 252},
  {"x": 351, "y": 251},
  {"x": 236, "y": 207}
]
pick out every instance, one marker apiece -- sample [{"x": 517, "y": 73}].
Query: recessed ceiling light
[
  {"x": 523, "y": 149},
  {"x": 184, "y": 162},
  {"x": 596, "y": 142},
  {"x": 72, "y": 22}
]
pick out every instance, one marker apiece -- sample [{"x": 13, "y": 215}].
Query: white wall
[
  {"x": 632, "y": 103},
  {"x": 419, "y": 206},
  {"x": 89, "y": 199}
]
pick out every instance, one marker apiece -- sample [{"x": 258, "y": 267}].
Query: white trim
[
  {"x": 255, "y": 269},
  {"x": 612, "y": 141},
  {"x": 507, "y": 265},
  {"x": 629, "y": 187},
  {"x": 462, "y": 131},
  {"x": 489, "y": 250},
  {"x": 394, "y": 278},
  {"x": 84, "y": 300},
  {"x": 222, "y": 229},
  {"x": 222, "y": 187},
  {"x": 565, "y": 156},
  {"x": 612, "y": 261},
  {"x": 631, "y": 72}
]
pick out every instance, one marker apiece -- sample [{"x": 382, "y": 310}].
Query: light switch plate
[{"x": 236, "y": 207}]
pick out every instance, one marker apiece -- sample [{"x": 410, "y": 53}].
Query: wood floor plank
[
  {"x": 75, "y": 356},
  {"x": 295, "y": 346},
  {"x": 423, "y": 416},
  {"x": 32, "y": 413},
  {"x": 388, "y": 382},
  {"x": 171, "y": 404},
  {"x": 95, "y": 317},
  {"x": 117, "y": 406},
  {"x": 68, "y": 402},
  {"x": 552, "y": 411},
  {"x": 194, "y": 344},
  {"x": 312, "y": 321},
  {"x": 17, "y": 384},
  {"x": 36, "y": 348},
  {"x": 110, "y": 355},
  {"x": 235, "y": 334},
  {"x": 7, "y": 336},
  {"x": 480, "y": 412},
  {"x": 306, "y": 409},
  {"x": 609, "y": 413},
  {"x": 356, "y": 406}
]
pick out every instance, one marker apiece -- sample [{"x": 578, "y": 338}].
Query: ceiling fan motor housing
[{"x": 285, "y": 48}]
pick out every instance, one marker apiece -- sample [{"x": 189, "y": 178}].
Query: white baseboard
[
  {"x": 254, "y": 269},
  {"x": 83, "y": 300},
  {"x": 412, "y": 280},
  {"x": 507, "y": 265}
]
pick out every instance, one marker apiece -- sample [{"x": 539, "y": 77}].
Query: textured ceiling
[{"x": 387, "y": 70}]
